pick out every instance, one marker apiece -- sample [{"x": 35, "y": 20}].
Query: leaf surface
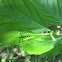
[
  {"x": 37, "y": 43},
  {"x": 57, "y": 48},
  {"x": 33, "y": 43},
  {"x": 15, "y": 16},
  {"x": 8, "y": 39}
]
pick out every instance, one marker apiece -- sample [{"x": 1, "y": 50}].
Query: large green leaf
[
  {"x": 33, "y": 43},
  {"x": 44, "y": 10},
  {"x": 17, "y": 17},
  {"x": 37, "y": 43}
]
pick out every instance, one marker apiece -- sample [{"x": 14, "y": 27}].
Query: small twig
[
  {"x": 53, "y": 59},
  {"x": 35, "y": 58}
]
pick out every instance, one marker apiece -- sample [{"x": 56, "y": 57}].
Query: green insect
[{"x": 22, "y": 37}]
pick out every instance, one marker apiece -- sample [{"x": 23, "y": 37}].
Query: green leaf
[
  {"x": 50, "y": 10},
  {"x": 3, "y": 60},
  {"x": 33, "y": 43},
  {"x": 30, "y": 14},
  {"x": 57, "y": 48},
  {"x": 36, "y": 43},
  {"x": 44, "y": 10},
  {"x": 8, "y": 39},
  {"x": 14, "y": 16}
]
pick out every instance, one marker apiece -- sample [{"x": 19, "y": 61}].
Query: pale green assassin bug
[
  {"x": 22, "y": 37},
  {"x": 25, "y": 37}
]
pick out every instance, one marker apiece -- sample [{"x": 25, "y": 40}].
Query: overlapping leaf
[
  {"x": 37, "y": 43},
  {"x": 17, "y": 17},
  {"x": 44, "y": 10},
  {"x": 33, "y": 43}
]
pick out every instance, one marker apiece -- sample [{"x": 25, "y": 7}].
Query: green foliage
[
  {"x": 30, "y": 16},
  {"x": 3, "y": 60},
  {"x": 56, "y": 50},
  {"x": 37, "y": 43},
  {"x": 15, "y": 17},
  {"x": 9, "y": 38}
]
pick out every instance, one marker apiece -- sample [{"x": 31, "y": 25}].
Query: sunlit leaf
[{"x": 36, "y": 43}]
